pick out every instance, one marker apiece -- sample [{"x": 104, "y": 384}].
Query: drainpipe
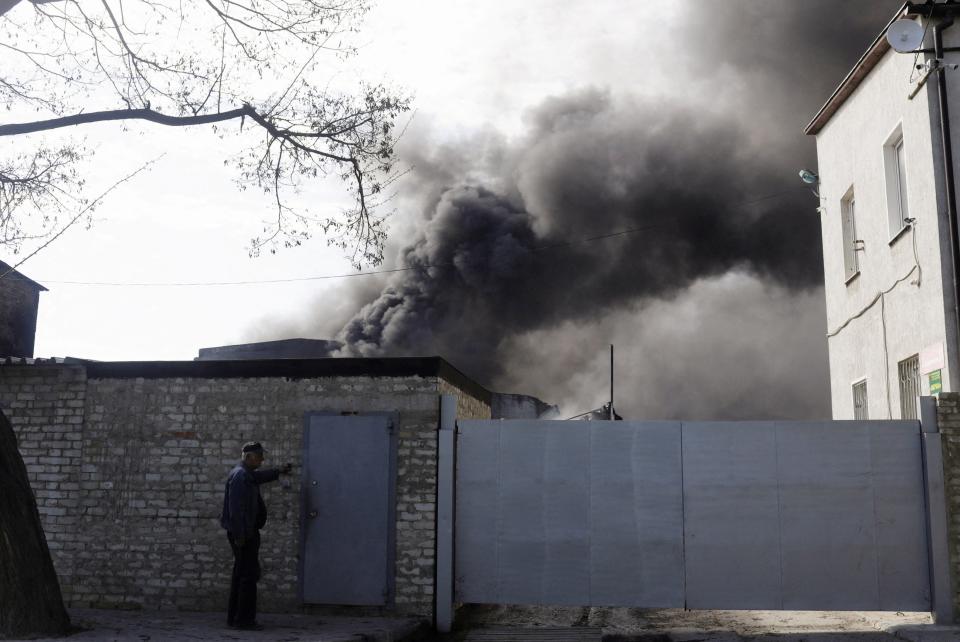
[{"x": 948, "y": 171}]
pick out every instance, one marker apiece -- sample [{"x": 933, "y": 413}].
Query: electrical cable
[
  {"x": 916, "y": 256},
  {"x": 881, "y": 297},
  {"x": 876, "y": 298},
  {"x": 408, "y": 268},
  {"x": 886, "y": 353}
]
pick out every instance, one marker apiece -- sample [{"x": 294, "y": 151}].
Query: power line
[
  {"x": 324, "y": 277},
  {"x": 408, "y": 268}
]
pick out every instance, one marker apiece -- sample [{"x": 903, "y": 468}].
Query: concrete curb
[{"x": 926, "y": 633}]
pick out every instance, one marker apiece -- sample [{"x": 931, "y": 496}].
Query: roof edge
[
  {"x": 852, "y": 80},
  {"x": 7, "y": 270},
  {"x": 290, "y": 368}
]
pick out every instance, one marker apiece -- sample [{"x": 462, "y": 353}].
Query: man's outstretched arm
[{"x": 269, "y": 474}]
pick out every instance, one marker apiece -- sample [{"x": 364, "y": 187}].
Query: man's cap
[{"x": 253, "y": 447}]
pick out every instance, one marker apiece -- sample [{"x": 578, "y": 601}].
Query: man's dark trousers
[{"x": 242, "y": 609}]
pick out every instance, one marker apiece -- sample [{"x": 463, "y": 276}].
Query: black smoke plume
[
  {"x": 613, "y": 216},
  {"x": 490, "y": 263}
]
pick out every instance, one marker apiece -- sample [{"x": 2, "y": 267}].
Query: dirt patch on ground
[{"x": 632, "y": 622}]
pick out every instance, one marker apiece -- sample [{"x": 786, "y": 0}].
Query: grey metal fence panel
[
  {"x": 347, "y": 525},
  {"x": 569, "y": 513},
  {"x": 477, "y": 526},
  {"x": 827, "y": 524},
  {"x": 522, "y": 555},
  {"x": 565, "y": 576},
  {"x": 636, "y": 500},
  {"x": 707, "y": 515},
  {"x": 901, "y": 519},
  {"x": 852, "y": 516},
  {"x": 732, "y": 546}
]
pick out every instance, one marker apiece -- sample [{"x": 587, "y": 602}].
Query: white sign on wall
[{"x": 931, "y": 358}]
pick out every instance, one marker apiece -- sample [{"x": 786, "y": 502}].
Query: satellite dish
[{"x": 905, "y": 35}]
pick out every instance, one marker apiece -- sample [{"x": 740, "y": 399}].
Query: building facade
[
  {"x": 128, "y": 461},
  {"x": 888, "y": 265},
  {"x": 19, "y": 301}
]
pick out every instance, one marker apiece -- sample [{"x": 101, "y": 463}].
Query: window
[
  {"x": 848, "y": 214},
  {"x": 860, "y": 400},
  {"x": 898, "y": 209},
  {"x": 909, "y": 371}
]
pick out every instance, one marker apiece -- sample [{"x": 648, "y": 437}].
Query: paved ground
[
  {"x": 165, "y": 626},
  {"x": 672, "y": 625},
  {"x": 612, "y": 624}
]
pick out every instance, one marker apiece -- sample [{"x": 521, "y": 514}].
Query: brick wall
[
  {"x": 129, "y": 477},
  {"x": 948, "y": 421},
  {"x": 468, "y": 406},
  {"x": 416, "y": 497}
]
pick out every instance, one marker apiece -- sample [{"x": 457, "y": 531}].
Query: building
[
  {"x": 127, "y": 461},
  {"x": 884, "y": 209},
  {"x": 19, "y": 300},
  {"x": 502, "y": 405},
  {"x": 282, "y": 349}
]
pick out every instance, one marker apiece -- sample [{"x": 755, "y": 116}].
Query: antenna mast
[{"x": 611, "y": 382}]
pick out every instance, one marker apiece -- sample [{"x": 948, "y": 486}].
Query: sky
[{"x": 537, "y": 126}]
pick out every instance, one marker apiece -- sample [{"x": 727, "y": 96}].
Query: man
[{"x": 244, "y": 514}]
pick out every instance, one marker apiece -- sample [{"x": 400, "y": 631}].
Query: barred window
[
  {"x": 860, "y": 400},
  {"x": 909, "y": 371}
]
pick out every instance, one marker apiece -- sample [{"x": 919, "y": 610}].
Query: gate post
[
  {"x": 446, "y": 469},
  {"x": 941, "y": 591}
]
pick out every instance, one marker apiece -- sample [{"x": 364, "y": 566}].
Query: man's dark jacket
[{"x": 244, "y": 512}]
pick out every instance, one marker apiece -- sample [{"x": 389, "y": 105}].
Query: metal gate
[
  {"x": 705, "y": 515},
  {"x": 347, "y": 511}
]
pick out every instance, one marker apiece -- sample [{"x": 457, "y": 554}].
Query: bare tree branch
[
  {"x": 83, "y": 212},
  {"x": 79, "y": 62},
  {"x": 16, "y": 129}
]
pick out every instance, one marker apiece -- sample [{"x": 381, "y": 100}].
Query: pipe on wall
[{"x": 948, "y": 172}]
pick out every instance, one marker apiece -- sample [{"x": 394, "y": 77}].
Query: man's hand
[{"x": 286, "y": 468}]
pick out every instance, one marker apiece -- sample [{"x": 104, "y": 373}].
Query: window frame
[
  {"x": 848, "y": 236},
  {"x": 897, "y": 184}
]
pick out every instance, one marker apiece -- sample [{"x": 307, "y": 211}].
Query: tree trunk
[{"x": 30, "y": 599}]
